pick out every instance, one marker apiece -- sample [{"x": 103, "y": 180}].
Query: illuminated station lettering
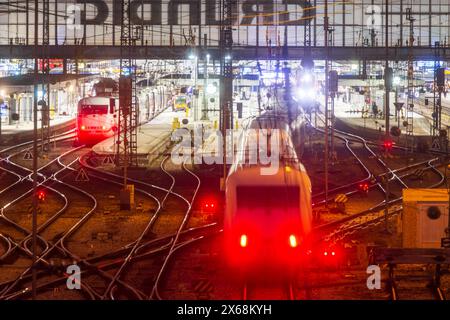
[{"x": 248, "y": 9}]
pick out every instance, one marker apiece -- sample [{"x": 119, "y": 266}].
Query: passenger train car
[
  {"x": 268, "y": 217},
  {"x": 97, "y": 116}
]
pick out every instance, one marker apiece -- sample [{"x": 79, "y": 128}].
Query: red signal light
[
  {"x": 387, "y": 144},
  {"x": 330, "y": 256},
  {"x": 209, "y": 205},
  {"x": 41, "y": 196},
  {"x": 364, "y": 187}
]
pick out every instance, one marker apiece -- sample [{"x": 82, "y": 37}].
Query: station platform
[
  {"x": 22, "y": 132},
  {"x": 152, "y": 137},
  {"x": 351, "y": 116},
  {"x": 427, "y": 110},
  {"x": 8, "y": 129}
]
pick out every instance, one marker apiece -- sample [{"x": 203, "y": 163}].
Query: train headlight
[
  {"x": 293, "y": 241},
  {"x": 243, "y": 241},
  {"x": 306, "y": 78},
  {"x": 306, "y": 94},
  {"x": 104, "y": 128},
  {"x": 83, "y": 128}
]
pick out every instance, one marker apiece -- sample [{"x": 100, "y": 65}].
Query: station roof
[{"x": 29, "y": 79}]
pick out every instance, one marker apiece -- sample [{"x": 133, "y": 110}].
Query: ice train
[
  {"x": 97, "y": 115},
  {"x": 268, "y": 214}
]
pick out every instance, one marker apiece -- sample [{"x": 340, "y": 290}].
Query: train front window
[
  {"x": 270, "y": 199},
  {"x": 93, "y": 109},
  {"x": 181, "y": 100}
]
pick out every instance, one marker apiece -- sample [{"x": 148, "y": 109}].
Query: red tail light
[
  {"x": 243, "y": 241},
  {"x": 293, "y": 241}
]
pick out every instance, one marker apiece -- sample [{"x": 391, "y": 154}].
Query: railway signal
[
  {"x": 364, "y": 188},
  {"x": 329, "y": 256},
  {"x": 387, "y": 145},
  {"x": 41, "y": 196},
  {"x": 209, "y": 206}
]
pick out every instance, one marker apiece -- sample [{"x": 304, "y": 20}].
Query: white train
[
  {"x": 97, "y": 116},
  {"x": 268, "y": 217}
]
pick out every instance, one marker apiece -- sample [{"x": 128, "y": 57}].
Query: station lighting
[
  {"x": 211, "y": 88},
  {"x": 306, "y": 78},
  {"x": 192, "y": 56},
  {"x": 306, "y": 94},
  {"x": 243, "y": 241}
]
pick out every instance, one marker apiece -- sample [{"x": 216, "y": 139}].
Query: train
[
  {"x": 97, "y": 114},
  {"x": 181, "y": 102},
  {"x": 96, "y": 118},
  {"x": 268, "y": 217}
]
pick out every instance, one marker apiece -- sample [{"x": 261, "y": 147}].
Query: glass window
[
  {"x": 93, "y": 109},
  {"x": 285, "y": 199}
]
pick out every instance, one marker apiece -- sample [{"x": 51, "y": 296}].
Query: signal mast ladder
[{"x": 395, "y": 256}]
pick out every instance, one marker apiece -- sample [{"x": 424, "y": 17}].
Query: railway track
[
  {"x": 164, "y": 194},
  {"x": 373, "y": 215},
  {"x": 133, "y": 250},
  {"x": 114, "y": 266},
  {"x": 60, "y": 244}
]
